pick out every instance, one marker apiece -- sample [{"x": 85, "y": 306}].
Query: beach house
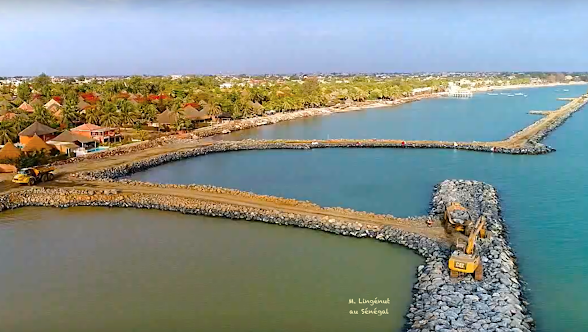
[{"x": 100, "y": 134}]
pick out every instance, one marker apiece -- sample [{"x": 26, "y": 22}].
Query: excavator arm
[{"x": 474, "y": 235}]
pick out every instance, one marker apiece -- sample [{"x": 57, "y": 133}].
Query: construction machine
[
  {"x": 34, "y": 175},
  {"x": 458, "y": 219},
  {"x": 466, "y": 259}
]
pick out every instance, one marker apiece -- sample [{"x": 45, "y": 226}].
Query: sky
[{"x": 128, "y": 37}]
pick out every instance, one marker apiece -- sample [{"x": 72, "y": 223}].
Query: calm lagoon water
[
  {"x": 481, "y": 118},
  {"x": 100, "y": 269},
  {"x": 543, "y": 197}
]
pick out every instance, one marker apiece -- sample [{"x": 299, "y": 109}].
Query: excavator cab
[{"x": 466, "y": 259}]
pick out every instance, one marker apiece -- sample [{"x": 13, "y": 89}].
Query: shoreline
[
  {"x": 207, "y": 133},
  {"x": 463, "y": 304}
]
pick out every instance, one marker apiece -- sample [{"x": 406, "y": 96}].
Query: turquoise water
[
  {"x": 98, "y": 149},
  {"x": 543, "y": 197},
  {"x": 481, "y": 118}
]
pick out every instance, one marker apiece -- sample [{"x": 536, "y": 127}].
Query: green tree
[
  {"x": 93, "y": 115},
  {"x": 23, "y": 91},
  {"x": 20, "y": 122},
  {"x": 43, "y": 115},
  {"x": 212, "y": 108},
  {"x": 149, "y": 112},
  {"x": 41, "y": 81},
  {"x": 110, "y": 116},
  {"x": 69, "y": 114},
  {"x": 127, "y": 112},
  {"x": 7, "y": 132}
]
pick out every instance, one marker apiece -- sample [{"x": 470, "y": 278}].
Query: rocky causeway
[{"x": 439, "y": 303}]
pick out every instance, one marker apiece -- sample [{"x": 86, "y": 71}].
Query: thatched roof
[
  {"x": 36, "y": 102},
  {"x": 167, "y": 117},
  {"x": 68, "y": 136},
  {"x": 82, "y": 105},
  {"x": 89, "y": 127},
  {"x": 9, "y": 151},
  {"x": 54, "y": 108},
  {"x": 52, "y": 103},
  {"x": 26, "y": 107},
  {"x": 37, "y": 129},
  {"x": 36, "y": 144},
  {"x": 193, "y": 114}
]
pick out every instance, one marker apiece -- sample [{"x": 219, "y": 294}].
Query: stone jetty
[
  {"x": 496, "y": 303},
  {"x": 439, "y": 302},
  {"x": 526, "y": 141}
]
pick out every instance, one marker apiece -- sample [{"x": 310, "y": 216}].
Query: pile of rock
[{"x": 494, "y": 304}]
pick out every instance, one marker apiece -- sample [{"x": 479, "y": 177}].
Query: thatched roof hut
[
  {"x": 68, "y": 137},
  {"x": 9, "y": 151},
  {"x": 52, "y": 103},
  {"x": 26, "y": 107},
  {"x": 36, "y": 102},
  {"x": 37, "y": 144},
  {"x": 199, "y": 115},
  {"x": 37, "y": 128},
  {"x": 82, "y": 105},
  {"x": 167, "y": 117}
]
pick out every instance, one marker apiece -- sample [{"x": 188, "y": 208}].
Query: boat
[
  {"x": 566, "y": 90},
  {"x": 519, "y": 94},
  {"x": 503, "y": 94},
  {"x": 511, "y": 95},
  {"x": 524, "y": 95},
  {"x": 492, "y": 94}
]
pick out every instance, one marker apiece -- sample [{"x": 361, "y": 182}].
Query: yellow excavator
[
  {"x": 466, "y": 259},
  {"x": 458, "y": 219}
]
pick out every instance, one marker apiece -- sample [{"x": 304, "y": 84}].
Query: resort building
[
  {"x": 458, "y": 92},
  {"x": 68, "y": 142},
  {"x": 38, "y": 129},
  {"x": 100, "y": 134}
]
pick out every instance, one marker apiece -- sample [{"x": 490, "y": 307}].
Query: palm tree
[
  {"x": 149, "y": 112},
  {"x": 7, "y": 132},
  {"x": 127, "y": 112},
  {"x": 43, "y": 115},
  {"x": 20, "y": 122},
  {"x": 177, "y": 111},
  {"x": 93, "y": 115},
  {"x": 69, "y": 114},
  {"x": 213, "y": 108},
  {"x": 110, "y": 116}
]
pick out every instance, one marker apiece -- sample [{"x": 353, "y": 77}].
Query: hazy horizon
[{"x": 132, "y": 37}]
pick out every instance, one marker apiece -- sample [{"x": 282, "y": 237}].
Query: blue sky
[{"x": 125, "y": 37}]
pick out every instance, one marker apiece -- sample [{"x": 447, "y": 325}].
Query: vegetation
[{"x": 136, "y": 101}]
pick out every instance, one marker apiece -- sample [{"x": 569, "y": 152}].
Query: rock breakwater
[
  {"x": 439, "y": 302},
  {"x": 124, "y": 170},
  {"x": 494, "y": 304}
]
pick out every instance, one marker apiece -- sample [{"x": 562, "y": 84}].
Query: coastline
[
  {"x": 524, "y": 86},
  {"x": 207, "y": 133}
]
